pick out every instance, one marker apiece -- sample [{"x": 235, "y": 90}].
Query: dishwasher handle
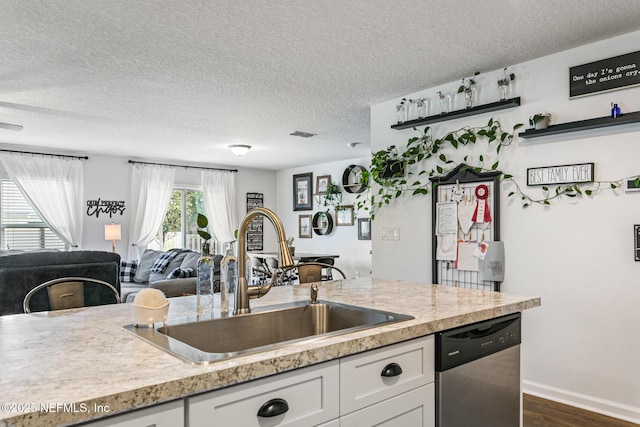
[{"x": 483, "y": 331}]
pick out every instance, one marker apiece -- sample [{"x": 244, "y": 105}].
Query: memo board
[{"x": 457, "y": 194}]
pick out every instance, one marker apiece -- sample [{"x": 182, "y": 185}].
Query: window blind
[{"x": 22, "y": 227}]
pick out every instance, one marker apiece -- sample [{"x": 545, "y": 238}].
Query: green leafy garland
[{"x": 386, "y": 180}]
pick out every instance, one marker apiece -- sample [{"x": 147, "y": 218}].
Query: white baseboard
[{"x": 589, "y": 403}]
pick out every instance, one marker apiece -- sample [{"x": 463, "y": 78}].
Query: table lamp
[{"x": 113, "y": 232}]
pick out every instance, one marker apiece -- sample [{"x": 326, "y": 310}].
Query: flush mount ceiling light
[
  {"x": 239, "y": 149},
  {"x": 352, "y": 144},
  {"x": 302, "y": 134}
]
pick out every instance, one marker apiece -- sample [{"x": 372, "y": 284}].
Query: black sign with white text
[{"x": 604, "y": 75}]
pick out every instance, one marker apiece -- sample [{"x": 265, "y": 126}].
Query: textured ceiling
[{"x": 180, "y": 80}]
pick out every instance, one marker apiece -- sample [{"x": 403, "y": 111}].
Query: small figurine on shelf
[{"x": 615, "y": 110}]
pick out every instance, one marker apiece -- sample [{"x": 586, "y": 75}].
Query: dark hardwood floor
[{"x": 538, "y": 412}]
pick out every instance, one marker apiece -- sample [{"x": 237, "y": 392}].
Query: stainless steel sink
[{"x": 266, "y": 328}]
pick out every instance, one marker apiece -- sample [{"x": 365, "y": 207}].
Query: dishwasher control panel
[{"x": 461, "y": 345}]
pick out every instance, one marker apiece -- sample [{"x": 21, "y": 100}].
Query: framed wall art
[
  {"x": 322, "y": 182},
  {"x": 344, "y": 215},
  {"x": 302, "y": 190},
  {"x": 364, "y": 228},
  {"x": 304, "y": 226}
]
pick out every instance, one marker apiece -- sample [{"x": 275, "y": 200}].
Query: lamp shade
[{"x": 112, "y": 232}]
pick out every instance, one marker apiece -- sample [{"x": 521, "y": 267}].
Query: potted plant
[
  {"x": 540, "y": 120},
  {"x": 468, "y": 88},
  {"x": 292, "y": 248},
  {"x": 503, "y": 84},
  {"x": 332, "y": 196},
  {"x": 387, "y": 164}
]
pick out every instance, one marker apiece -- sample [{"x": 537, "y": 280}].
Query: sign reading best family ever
[{"x": 565, "y": 174}]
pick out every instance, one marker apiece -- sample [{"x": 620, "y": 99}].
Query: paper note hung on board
[
  {"x": 466, "y": 260},
  {"x": 465, "y": 215},
  {"x": 491, "y": 268},
  {"x": 446, "y": 248},
  {"x": 446, "y": 218}
]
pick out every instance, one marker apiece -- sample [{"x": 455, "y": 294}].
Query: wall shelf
[
  {"x": 322, "y": 223},
  {"x": 596, "y": 123},
  {"x": 494, "y": 106}
]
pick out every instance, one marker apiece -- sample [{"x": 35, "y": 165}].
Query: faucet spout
[{"x": 243, "y": 291}]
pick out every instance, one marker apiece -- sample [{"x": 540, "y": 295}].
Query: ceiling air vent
[{"x": 302, "y": 134}]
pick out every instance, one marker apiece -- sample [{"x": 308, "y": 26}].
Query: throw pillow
[
  {"x": 190, "y": 260},
  {"x": 128, "y": 270},
  {"x": 179, "y": 273},
  {"x": 144, "y": 265},
  {"x": 175, "y": 262}
]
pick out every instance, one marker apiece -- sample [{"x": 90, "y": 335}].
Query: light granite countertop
[{"x": 73, "y": 360}]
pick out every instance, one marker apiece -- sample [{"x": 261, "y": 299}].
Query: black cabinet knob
[
  {"x": 391, "y": 370},
  {"x": 273, "y": 408}
]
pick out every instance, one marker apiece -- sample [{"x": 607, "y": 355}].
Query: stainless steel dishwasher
[{"x": 478, "y": 374}]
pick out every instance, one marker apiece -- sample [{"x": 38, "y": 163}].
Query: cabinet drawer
[
  {"x": 361, "y": 380},
  {"x": 310, "y": 394},
  {"x": 415, "y": 408},
  {"x": 166, "y": 415}
]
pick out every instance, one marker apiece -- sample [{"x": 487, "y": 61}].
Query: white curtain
[
  {"x": 54, "y": 187},
  {"x": 151, "y": 187},
  {"x": 219, "y": 197}
]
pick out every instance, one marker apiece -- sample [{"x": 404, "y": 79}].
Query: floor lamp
[{"x": 113, "y": 232}]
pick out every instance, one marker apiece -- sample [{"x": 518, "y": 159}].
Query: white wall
[
  {"x": 581, "y": 345},
  {"x": 109, "y": 178},
  {"x": 343, "y": 240}
]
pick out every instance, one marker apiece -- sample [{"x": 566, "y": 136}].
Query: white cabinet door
[
  {"x": 310, "y": 396},
  {"x": 165, "y": 415},
  {"x": 415, "y": 408},
  {"x": 406, "y": 365}
]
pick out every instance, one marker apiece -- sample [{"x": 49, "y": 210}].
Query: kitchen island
[{"x": 66, "y": 367}]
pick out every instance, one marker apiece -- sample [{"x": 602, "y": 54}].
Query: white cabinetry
[
  {"x": 411, "y": 409},
  {"x": 392, "y": 386},
  {"x": 305, "y": 397},
  {"x": 165, "y": 415}
]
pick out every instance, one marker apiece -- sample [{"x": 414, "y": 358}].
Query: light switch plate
[{"x": 390, "y": 233}]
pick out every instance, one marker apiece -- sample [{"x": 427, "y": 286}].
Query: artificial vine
[
  {"x": 387, "y": 166},
  {"x": 423, "y": 160}
]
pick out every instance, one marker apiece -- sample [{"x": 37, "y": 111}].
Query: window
[
  {"x": 22, "y": 227},
  {"x": 179, "y": 228}
]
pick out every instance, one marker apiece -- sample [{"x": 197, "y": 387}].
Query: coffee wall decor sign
[{"x": 108, "y": 207}]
